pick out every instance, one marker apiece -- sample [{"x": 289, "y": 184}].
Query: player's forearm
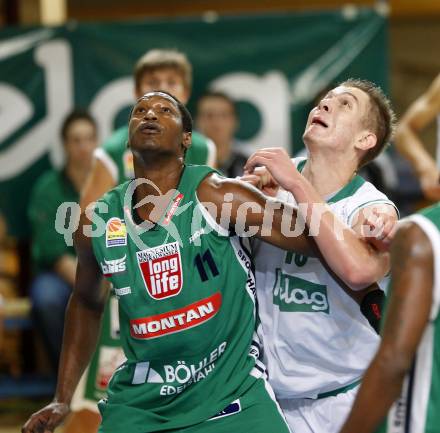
[
  {"x": 411, "y": 147},
  {"x": 81, "y": 331},
  {"x": 347, "y": 255},
  {"x": 380, "y": 388}
]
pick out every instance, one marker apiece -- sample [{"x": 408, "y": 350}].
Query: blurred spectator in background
[
  {"x": 217, "y": 119},
  {"x": 54, "y": 261},
  {"x": 421, "y": 112}
]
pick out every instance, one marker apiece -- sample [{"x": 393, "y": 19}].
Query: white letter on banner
[
  {"x": 55, "y": 59},
  {"x": 113, "y": 97}
]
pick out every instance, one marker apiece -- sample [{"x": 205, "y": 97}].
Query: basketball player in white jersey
[
  {"x": 317, "y": 342},
  {"x": 421, "y": 113}
]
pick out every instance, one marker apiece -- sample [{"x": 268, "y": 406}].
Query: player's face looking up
[
  {"x": 156, "y": 125},
  {"x": 339, "y": 119},
  {"x": 167, "y": 79}
]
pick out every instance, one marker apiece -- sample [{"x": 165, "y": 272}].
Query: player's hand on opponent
[
  {"x": 46, "y": 419},
  {"x": 379, "y": 227},
  {"x": 430, "y": 184},
  {"x": 261, "y": 179},
  {"x": 278, "y": 163}
]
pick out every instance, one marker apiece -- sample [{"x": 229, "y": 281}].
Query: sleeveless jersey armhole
[
  {"x": 433, "y": 235},
  {"x": 210, "y": 220}
]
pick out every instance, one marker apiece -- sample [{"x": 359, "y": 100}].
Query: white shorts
[{"x": 323, "y": 415}]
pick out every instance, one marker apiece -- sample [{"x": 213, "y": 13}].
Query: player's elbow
[{"x": 360, "y": 275}]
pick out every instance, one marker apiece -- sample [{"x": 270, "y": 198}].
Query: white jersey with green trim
[{"x": 316, "y": 339}]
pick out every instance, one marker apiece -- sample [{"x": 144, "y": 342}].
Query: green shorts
[{"x": 255, "y": 412}]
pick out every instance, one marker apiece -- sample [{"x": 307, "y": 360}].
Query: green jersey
[
  {"x": 186, "y": 293},
  {"x": 119, "y": 160},
  {"x": 418, "y": 408}
]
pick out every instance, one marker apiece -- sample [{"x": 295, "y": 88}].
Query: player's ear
[
  {"x": 186, "y": 139},
  {"x": 366, "y": 140}
]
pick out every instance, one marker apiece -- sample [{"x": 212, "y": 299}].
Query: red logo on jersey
[
  {"x": 173, "y": 209},
  {"x": 177, "y": 320},
  {"x": 161, "y": 269}
]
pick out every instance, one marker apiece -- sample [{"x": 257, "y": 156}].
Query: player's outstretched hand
[
  {"x": 261, "y": 179},
  {"x": 46, "y": 419},
  {"x": 277, "y": 162}
]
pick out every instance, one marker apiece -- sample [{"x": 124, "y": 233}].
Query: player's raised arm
[
  {"x": 420, "y": 113},
  {"x": 81, "y": 330},
  {"x": 412, "y": 276},
  {"x": 350, "y": 257}
]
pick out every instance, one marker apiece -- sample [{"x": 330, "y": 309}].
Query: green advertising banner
[{"x": 274, "y": 66}]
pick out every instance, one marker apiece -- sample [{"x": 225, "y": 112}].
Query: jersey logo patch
[
  {"x": 161, "y": 269},
  {"x": 293, "y": 294},
  {"x": 233, "y": 408},
  {"x": 110, "y": 267},
  {"x": 122, "y": 291},
  {"x": 173, "y": 209},
  {"x": 115, "y": 233},
  {"x": 177, "y": 320}
]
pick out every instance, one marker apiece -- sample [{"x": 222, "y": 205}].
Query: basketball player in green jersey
[
  {"x": 400, "y": 392},
  {"x": 186, "y": 296},
  {"x": 158, "y": 69}
]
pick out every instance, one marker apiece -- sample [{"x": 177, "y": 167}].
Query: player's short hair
[
  {"x": 161, "y": 59},
  {"x": 187, "y": 122},
  {"x": 217, "y": 94},
  {"x": 380, "y": 118},
  {"x": 73, "y": 116}
]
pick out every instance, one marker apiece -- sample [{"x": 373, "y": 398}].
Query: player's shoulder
[
  {"x": 116, "y": 196},
  {"x": 363, "y": 196},
  {"x": 367, "y": 192}
]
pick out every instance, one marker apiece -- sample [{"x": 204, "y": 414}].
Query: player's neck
[
  {"x": 165, "y": 175},
  {"x": 159, "y": 188},
  {"x": 328, "y": 174}
]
